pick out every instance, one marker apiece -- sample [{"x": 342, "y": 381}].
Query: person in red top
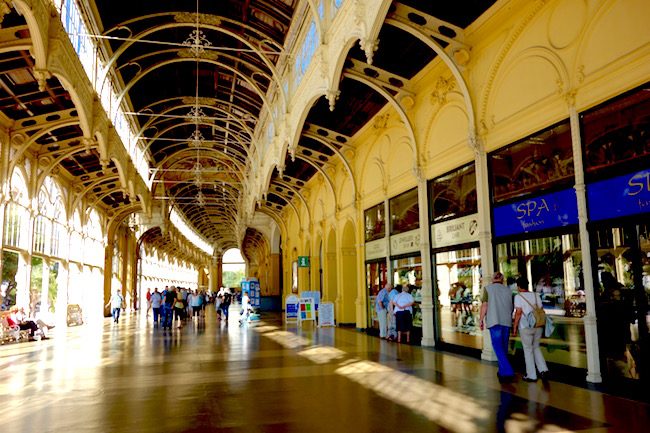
[{"x": 148, "y": 301}]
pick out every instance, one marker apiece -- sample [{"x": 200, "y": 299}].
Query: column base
[
  {"x": 488, "y": 355},
  {"x": 594, "y": 377},
  {"x": 428, "y": 342}
]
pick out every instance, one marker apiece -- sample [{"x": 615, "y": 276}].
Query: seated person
[{"x": 37, "y": 327}]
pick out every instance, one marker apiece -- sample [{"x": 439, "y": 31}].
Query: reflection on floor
[{"x": 211, "y": 376}]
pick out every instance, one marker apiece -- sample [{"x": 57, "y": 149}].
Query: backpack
[{"x": 538, "y": 314}]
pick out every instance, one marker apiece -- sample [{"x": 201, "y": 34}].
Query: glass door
[
  {"x": 622, "y": 302},
  {"x": 376, "y": 279}
]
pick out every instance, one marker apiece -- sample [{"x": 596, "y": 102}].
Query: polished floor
[{"x": 211, "y": 376}]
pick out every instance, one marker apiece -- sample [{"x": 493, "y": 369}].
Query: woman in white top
[{"x": 530, "y": 335}]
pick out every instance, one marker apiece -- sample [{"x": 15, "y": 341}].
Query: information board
[
  {"x": 252, "y": 287},
  {"x": 307, "y": 310},
  {"x": 314, "y": 295},
  {"x": 326, "y": 314},
  {"x": 291, "y": 308}
]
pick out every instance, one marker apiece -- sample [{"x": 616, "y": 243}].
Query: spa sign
[
  {"x": 620, "y": 196},
  {"x": 548, "y": 211}
]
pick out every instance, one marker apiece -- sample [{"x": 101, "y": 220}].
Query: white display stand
[
  {"x": 307, "y": 311},
  {"x": 326, "y": 314},
  {"x": 291, "y": 309}
]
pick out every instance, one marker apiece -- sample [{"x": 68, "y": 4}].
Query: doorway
[{"x": 623, "y": 274}]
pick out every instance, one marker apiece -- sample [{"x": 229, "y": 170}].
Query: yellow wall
[{"x": 529, "y": 62}]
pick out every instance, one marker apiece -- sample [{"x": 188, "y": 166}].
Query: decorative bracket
[
  {"x": 41, "y": 75},
  {"x": 369, "y": 46},
  {"x": 332, "y": 96}
]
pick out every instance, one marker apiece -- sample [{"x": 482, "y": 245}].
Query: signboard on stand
[
  {"x": 307, "y": 310},
  {"x": 252, "y": 286},
  {"x": 326, "y": 314},
  {"x": 291, "y": 309},
  {"x": 314, "y": 295}
]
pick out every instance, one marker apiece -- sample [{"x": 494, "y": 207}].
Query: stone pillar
[
  {"x": 387, "y": 219},
  {"x": 485, "y": 230},
  {"x": 45, "y": 288},
  {"x": 274, "y": 275},
  {"x": 63, "y": 281},
  {"x": 426, "y": 305},
  {"x": 108, "y": 274},
  {"x": 23, "y": 277},
  {"x": 591, "y": 331}
]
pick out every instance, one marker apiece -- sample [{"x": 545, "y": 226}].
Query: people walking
[
  {"x": 530, "y": 334},
  {"x": 392, "y": 323},
  {"x": 148, "y": 301},
  {"x": 167, "y": 308},
  {"x": 156, "y": 303},
  {"x": 225, "y": 304},
  {"x": 496, "y": 315},
  {"x": 381, "y": 308},
  {"x": 116, "y": 302}
]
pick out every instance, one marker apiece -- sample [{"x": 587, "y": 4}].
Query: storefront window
[
  {"x": 618, "y": 134},
  {"x": 623, "y": 272},
  {"x": 458, "y": 282},
  {"x": 453, "y": 195},
  {"x": 8, "y": 285},
  {"x": 553, "y": 266},
  {"x": 404, "y": 212},
  {"x": 376, "y": 278},
  {"x": 534, "y": 164},
  {"x": 375, "y": 223},
  {"x": 408, "y": 272}
]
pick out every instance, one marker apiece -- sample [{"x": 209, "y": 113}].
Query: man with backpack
[{"x": 225, "y": 303}]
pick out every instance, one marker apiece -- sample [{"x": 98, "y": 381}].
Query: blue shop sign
[
  {"x": 548, "y": 211},
  {"x": 619, "y": 196}
]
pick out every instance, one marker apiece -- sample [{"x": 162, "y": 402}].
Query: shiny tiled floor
[{"x": 208, "y": 376}]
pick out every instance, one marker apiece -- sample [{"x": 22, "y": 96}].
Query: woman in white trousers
[{"x": 530, "y": 335}]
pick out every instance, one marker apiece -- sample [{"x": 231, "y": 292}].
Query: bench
[{"x": 11, "y": 333}]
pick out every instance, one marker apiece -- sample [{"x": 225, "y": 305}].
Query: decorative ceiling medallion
[
  {"x": 197, "y": 42},
  {"x": 196, "y": 139}
]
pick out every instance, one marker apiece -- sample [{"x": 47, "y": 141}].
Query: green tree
[{"x": 233, "y": 278}]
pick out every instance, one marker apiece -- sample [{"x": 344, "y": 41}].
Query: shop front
[
  {"x": 376, "y": 252},
  {"x": 456, "y": 258},
  {"x": 405, "y": 256},
  {"x": 535, "y": 227},
  {"x": 617, "y": 156}
]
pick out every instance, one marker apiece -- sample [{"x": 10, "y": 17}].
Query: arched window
[
  {"x": 94, "y": 245},
  {"x": 49, "y": 227},
  {"x": 16, "y": 213},
  {"x": 234, "y": 268},
  {"x": 76, "y": 239}
]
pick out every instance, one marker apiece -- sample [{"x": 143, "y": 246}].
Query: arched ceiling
[
  {"x": 196, "y": 81},
  {"x": 196, "y": 75},
  {"x": 195, "y": 93}
]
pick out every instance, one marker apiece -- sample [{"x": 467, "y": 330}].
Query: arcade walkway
[{"x": 132, "y": 378}]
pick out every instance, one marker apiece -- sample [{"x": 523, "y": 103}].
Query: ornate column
[
  {"x": 426, "y": 305},
  {"x": 485, "y": 229},
  {"x": 591, "y": 331},
  {"x": 108, "y": 273}
]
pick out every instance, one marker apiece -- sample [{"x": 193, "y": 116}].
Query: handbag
[{"x": 538, "y": 313}]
